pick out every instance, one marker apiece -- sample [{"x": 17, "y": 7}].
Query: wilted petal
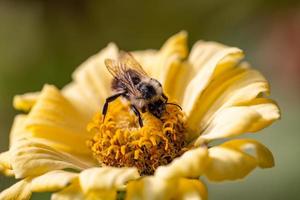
[
  {"x": 52, "y": 181},
  {"x": 190, "y": 165},
  {"x": 154, "y": 188},
  {"x": 106, "y": 178},
  {"x": 5, "y": 164},
  {"x": 208, "y": 59},
  {"x": 34, "y": 157},
  {"x": 237, "y": 120},
  {"x": 20, "y": 190},
  {"x": 26, "y": 101}
]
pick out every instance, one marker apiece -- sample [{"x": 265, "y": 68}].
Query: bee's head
[
  {"x": 149, "y": 88},
  {"x": 157, "y": 108}
]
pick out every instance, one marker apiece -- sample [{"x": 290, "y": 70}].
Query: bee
[{"x": 132, "y": 83}]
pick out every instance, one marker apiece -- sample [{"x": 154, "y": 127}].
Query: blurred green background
[{"x": 43, "y": 42}]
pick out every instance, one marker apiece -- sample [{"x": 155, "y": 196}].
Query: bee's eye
[{"x": 136, "y": 80}]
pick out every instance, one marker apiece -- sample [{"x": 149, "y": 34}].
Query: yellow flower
[{"x": 63, "y": 146}]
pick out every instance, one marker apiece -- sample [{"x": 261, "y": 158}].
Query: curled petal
[
  {"x": 228, "y": 164},
  {"x": 190, "y": 165},
  {"x": 20, "y": 190},
  {"x": 262, "y": 154},
  {"x": 154, "y": 188},
  {"x": 235, "y": 159},
  {"x": 237, "y": 120},
  {"x": 106, "y": 178},
  {"x": 208, "y": 59},
  {"x": 26, "y": 101},
  {"x": 5, "y": 164},
  {"x": 237, "y": 86},
  {"x": 52, "y": 181}
]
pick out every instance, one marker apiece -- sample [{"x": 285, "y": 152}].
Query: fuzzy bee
[{"x": 132, "y": 83}]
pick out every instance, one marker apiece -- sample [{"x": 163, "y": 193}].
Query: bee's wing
[
  {"x": 120, "y": 71},
  {"x": 131, "y": 63}
]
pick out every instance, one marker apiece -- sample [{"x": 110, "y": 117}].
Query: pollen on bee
[{"x": 120, "y": 142}]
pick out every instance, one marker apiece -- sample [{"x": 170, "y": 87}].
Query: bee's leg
[
  {"x": 138, "y": 114},
  {"x": 165, "y": 97},
  {"x": 107, "y": 101}
]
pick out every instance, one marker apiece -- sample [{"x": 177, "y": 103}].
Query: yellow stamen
[{"x": 120, "y": 142}]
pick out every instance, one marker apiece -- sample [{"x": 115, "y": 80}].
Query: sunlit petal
[
  {"x": 52, "y": 181},
  {"x": 190, "y": 165},
  {"x": 165, "y": 64},
  {"x": 236, "y": 120},
  {"x": 55, "y": 119},
  {"x": 208, "y": 59},
  {"x": 240, "y": 85}
]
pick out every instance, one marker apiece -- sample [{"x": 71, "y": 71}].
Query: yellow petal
[
  {"x": 91, "y": 82},
  {"x": 228, "y": 164},
  {"x": 20, "y": 190},
  {"x": 237, "y": 120},
  {"x": 154, "y": 188},
  {"x": 263, "y": 155},
  {"x": 166, "y": 64},
  {"x": 17, "y": 130},
  {"x": 52, "y": 181},
  {"x": 106, "y": 178},
  {"x": 74, "y": 192},
  {"x": 54, "y": 118},
  {"x": 191, "y": 164},
  {"x": 207, "y": 58},
  {"x": 235, "y": 87},
  {"x": 5, "y": 164},
  {"x": 34, "y": 157},
  {"x": 26, "y": 101},
  {"x": 268, "y": 111},
  {"x": 150, "y": 188},
  {"x": 191, "y": 189}
]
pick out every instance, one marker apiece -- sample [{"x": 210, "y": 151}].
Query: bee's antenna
[{"x": 174, "y": 104}]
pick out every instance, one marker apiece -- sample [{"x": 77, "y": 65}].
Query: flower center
[{"x": 120, "y": 142}]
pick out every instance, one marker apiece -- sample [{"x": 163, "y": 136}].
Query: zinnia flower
[{"x": 62, "y": 145}]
